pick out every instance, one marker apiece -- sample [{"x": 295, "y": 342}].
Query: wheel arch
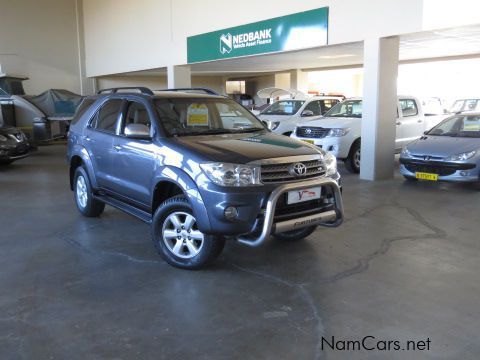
[
  {"x": 174, "y": 181},
  {"x": 78, "y": 158}
]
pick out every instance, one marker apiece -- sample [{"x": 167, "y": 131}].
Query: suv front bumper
[{"x": 331, "y": 218}]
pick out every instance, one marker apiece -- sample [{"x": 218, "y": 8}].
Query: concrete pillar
[
  {"x": 179, "y": 76},
  {"x": 299, "y": 80},
  {"x": 87, "y": 86},
  {"x": 380, "y": 66}
]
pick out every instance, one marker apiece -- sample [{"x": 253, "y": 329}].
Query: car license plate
[
  {"x": 426, "y": 176},
  {"x": 309, "y": 142},
  {"x": 297, "y": 196}
]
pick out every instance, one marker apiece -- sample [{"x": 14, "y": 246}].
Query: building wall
[
  {"x": 38, "y": 39},
  {"x": 134, "y": 35},
  {"x": 216, "y": 83}
]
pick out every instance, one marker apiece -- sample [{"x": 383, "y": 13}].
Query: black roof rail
[
  {"x": 142, "y": 89},
  {"x": 202, "y": 90}
]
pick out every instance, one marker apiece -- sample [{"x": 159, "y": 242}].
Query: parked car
[
  {"x": 448, "y": 152},
  {"x": 283, "y": 116},
  {"x": 13, "y": 144},
  {"x": 339, "y": 131},
  {"x": 200, "y": 169}
]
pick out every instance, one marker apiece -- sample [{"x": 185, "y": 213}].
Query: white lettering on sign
[{"x": 252, "y": 38}]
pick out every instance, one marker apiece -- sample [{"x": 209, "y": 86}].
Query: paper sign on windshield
[{"x": 197, "y": 115}]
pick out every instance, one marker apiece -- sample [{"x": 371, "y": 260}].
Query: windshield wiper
[
  {"x": 205, "y": 132},
  {"x": 246, "y": 130}
]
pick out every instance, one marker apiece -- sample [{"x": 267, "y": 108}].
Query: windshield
[
  {"x": 347, "y": 108},
  {"x": 458, "y": 126},
  {"x": 284, "y": 107},
  {"x": 201, "y": 116},
  {"x": 466, "y": 105}
]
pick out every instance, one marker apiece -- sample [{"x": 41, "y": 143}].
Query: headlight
[
  {"x": 338, "y": 132},
  {"x": 461, "y": 157},
  {"x": 274, "y": 125},
  {"x": 405, "y": 153},
  {"x": 331, "y": 164},
  {"x": 3, "y": 138},
  {"x": 225, "y": 174}
]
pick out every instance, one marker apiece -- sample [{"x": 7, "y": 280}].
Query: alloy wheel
[{"x": 181, "y": 235}]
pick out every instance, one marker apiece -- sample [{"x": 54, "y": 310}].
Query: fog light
[
  {"x": 230, "y": 212},
  {"x": 464, "y": 173}
]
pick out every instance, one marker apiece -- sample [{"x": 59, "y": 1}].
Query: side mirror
[
  {"x": 307, "y": 113},
  {"x": 137, "y": 131}
]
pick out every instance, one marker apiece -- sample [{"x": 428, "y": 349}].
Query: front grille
[
  {"x": 311, "y": 132},
  {"x": 277, "y": 173},
  {"x": 432, "y": 169}
]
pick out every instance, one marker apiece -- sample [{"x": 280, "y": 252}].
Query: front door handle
[
  {"x": 399, "y": 123},
  {"x": 117, "y": 148},
  {"x": 419, "y": 120}
]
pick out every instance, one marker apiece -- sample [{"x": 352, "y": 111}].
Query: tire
[
  {"x": 352, "y": 162},
  {"x": 173, "y": 229},
  {"x": 410, "y": 178},
  {"x": 288, "y": 133},
  {"x": 6, "y": 162},
  {"x": 295, "y": 235},
  {"x": 86, "y": 204}
]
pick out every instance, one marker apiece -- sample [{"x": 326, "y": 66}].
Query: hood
[
  {"x": 243, "y": 148},
  {"x": 443, "y": 146},
  {"x": 274, "y": 117},
  {"x": 333, "y": 122}
]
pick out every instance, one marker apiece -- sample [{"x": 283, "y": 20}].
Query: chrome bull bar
[{"x": 331, "y": 218}]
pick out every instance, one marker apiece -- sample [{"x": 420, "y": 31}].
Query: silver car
[{"x": 449, "y": 151}]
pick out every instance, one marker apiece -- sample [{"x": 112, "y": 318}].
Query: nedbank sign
[
  {"x": 296, "y": 31},
  {"x": 229, "y": 42}
]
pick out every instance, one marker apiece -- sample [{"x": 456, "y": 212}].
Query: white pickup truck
[
  {"x": 340, "y": 129},
  {"x": 282, "y": 116}
]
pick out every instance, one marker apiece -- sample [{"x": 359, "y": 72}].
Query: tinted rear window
[{"x": 84, "y": 106}]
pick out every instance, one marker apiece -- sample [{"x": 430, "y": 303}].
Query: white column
[
  {"x": 179, "y": 76},
  {"x": 87, "y": 86},
  {"x": 299, "y": 80},
  {"x": 380, "y": 66}
]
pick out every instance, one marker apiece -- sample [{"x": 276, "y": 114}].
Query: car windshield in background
[
  {"x": 466, "y": 105},
  {"x": 458, "y": 126},
  {"x": 347, "y": 108},
  {"x": 284, "y": 107},
  {"x": 197, "y": 116}
]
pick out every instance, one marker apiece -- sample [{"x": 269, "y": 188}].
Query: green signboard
[{"x": 296, "y": 31}]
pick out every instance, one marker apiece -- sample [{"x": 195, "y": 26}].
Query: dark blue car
[{"x": 201, "y": 169}]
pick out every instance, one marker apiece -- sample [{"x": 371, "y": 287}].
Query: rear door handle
[
  {"x": 117, "y": 148},
  {"x": 419, "y": 120},
  {"x": 399, "y": 123}
]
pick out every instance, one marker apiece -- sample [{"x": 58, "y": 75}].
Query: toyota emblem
[{"x": 298, "y": 169}]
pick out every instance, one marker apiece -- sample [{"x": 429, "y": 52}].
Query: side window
[
  {"x": 137, "y": 114},
  {"x": 409, "y": 107},
  {"x": 106, "y": 118},
  {"x": 314, "y": 107},
  {"x": 328, "y": 104}
]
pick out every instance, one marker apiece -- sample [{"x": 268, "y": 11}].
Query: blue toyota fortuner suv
[{"x": 201, "y": 169}]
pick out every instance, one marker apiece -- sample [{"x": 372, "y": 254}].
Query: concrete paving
[{"x": 403, "y": 266}]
